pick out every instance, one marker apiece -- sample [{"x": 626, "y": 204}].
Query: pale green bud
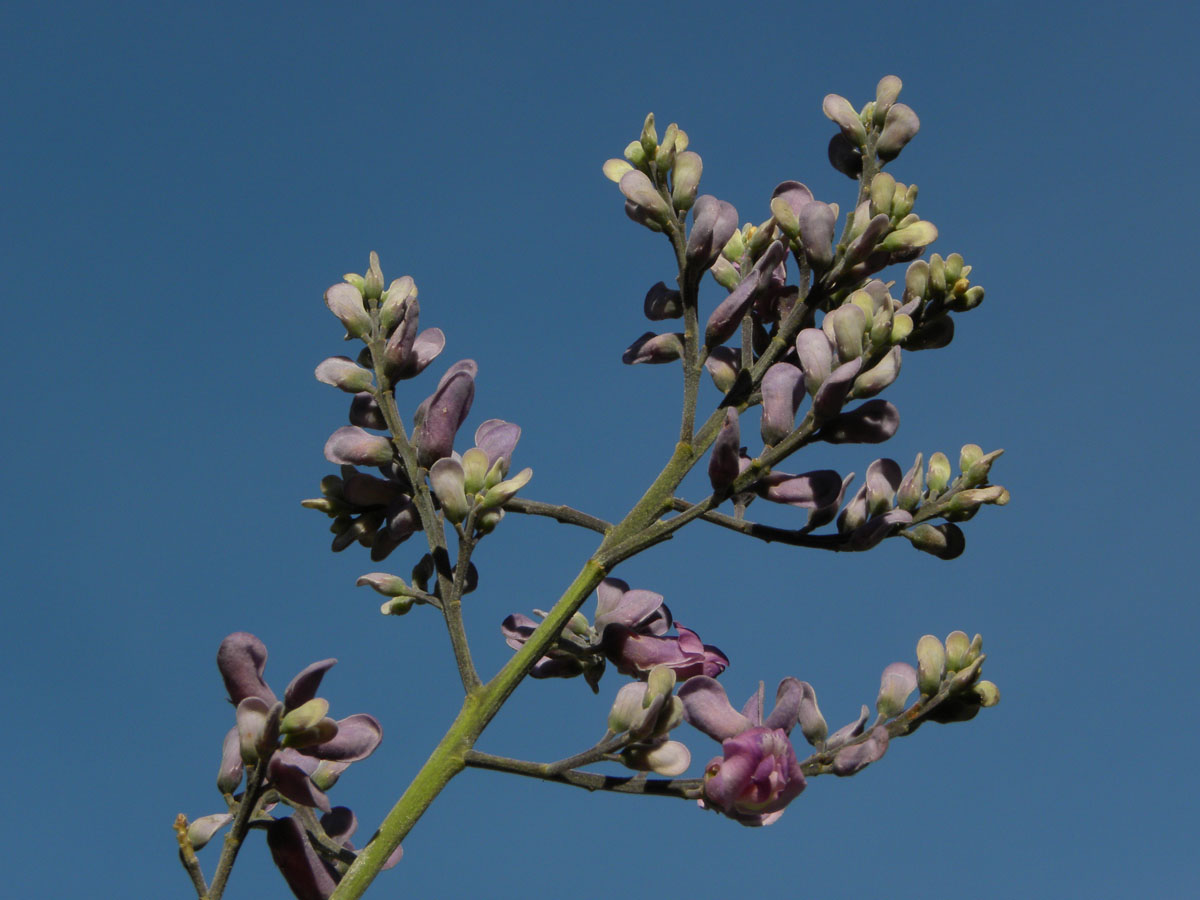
[
  {"x": 475, "y": 470},
  {"x": 987, "y": 692},
  {"x": 886, "y": 93},
  {"x": 397, "y": 606},
  {"x": 304, "y": 716},
  {"x": 635, "y": 154},
  {"x": 968, "y": 456},
  {"x": 931, "y": 664},
  {"x": 724, "y": 273},
  {"x": 970, "y": 298},
  {"x": 614, "y": 168},
  {"x": 902, "y": 203},
  {"x": 681, "y": 140},
  {"x": 660, "y": 682},
  {"x": 958, "y": 645},
  {"x": 938, "y": 475},
  {"x": 395, "y": 299},
  {"x": 910, "y": 237},
  {"x": 649, "y": 138},
  {"x": 734, "y": 247},
  {"x": 980, "y": 469},
  {"x": 864, "y": 301},
  {"x": 505, "y": 490},
  {"x": 487, "y": 520},
  {"x": 916, "y": 279},
  {"x": 912, "y": 486},
  {"x": 664, "y": 156},
  {"x": 902, "y": 326},
  {"x": 785, "y": 217},
  {"x": 373, "y": 282},
  {"x": 883, "y": 189},
  {"x": 972, "y": 498},
  {"x": 954, "y": 267},
  {"x": 357, "y": 280},
  {"x": 685, "y": 180},
  {"x": 937, "y": 274},
  {"x": 845, "y": 326}
]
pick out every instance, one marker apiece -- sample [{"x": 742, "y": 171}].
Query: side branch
[
  {"x": 683, "y": 788},
  {"x": 767, "y": 533},
  {"x": 566, "y": 514}
]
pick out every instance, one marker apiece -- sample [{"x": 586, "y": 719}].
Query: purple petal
[
  {"x": 883, "y": 480},
  {"x": 357, "y": 737},
  {"x": 860, "y": 248},
  {"x": 786, "y": 713},
  {"x": 871, "y": 423},
  {"x": 849, "y": 732},
  {"x": 340, "y": 824},
  {"x": 706, "y": 706},
  {"x": 631, "y": 608},
  {"x": 362, "y": 489},
  {"x": 857, "y": 757},
  {"x": 723, "y": 464},
  {"x": 794, "y": 194},
  {"x": 345, "y": 302},
  {"x": 899, "y": 127},
  {"x": 654, "y": 349},
  {"x": 447, "y": 408},
  {"x": 497, "y": 439},
  {"x": 844, "y": 156},
  {"x": 829, "y": 398},
  {"x": 293, "y": 783},
  {"x": 662, "y": 303},
  {"x": 517, "y": 629},
  {"x": 782, "y": 393},
  {"x": 365, "y": 412},
  {"x": 713, "y": 224},
  {"x": 351, "y": 446},
  {"x": 878, "y": 528},
  {"x": 896, "y": 684},
  {"x": 815, "y": 354},
  {"x": 343, "y": 373},
  {"x": 817, "y": 223},
  {"x": 229, "y": 776},
  {"x": 304, "y": 686},
  {"x": 241, "y": 658},
  {"x": 812, "y": 490},
  {"x": 295, "y": 858}
]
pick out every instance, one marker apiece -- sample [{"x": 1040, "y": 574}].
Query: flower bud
[
  {"x": 714, "y": 223},
  {"x": 202, "y": 830},
  {"x": 879, "y": 376},
  {"x": 972, "y": 498},
  {"x": 669, "y": 758},
  {"x": 373, "y": 282},
  {"x": 346, "y": 302},
  {"x": 396, "y": 606},
  {"x": 649, "y": 138},
  {"x": 902, "y": 326},
  {"x": 304, "y": 716},
  {"x": 944, "y": 541},
  {"x": 654, "y": 349},
  {"x": 912, "y": 486},
  {"x": 883, "y": 477},
  {"x": 899, "y": 680},
  {"x": 400, "y": 293},
  {"x": 615, "y": 169},
  {"x": 383, "y": 583},
  {"x": 505, "y": 490},
  {"x": 969, "y": 455},
  {"x": 842, "y": 114},
  {"x": 911, "y": 237},
  {"x": 883, "y": 189},
  {"x": 937, "y": 274},
  {"x": 816, "y": 357},
  {"x": 812, "y": 723},
  {"x": 344, "y": 374},
  {"x": 830, "y": 397},
  {"x": 886, "y": 93},
  {"x": 817, "y": 222},
  {"x": 685, "y": 179},
  {"x": 352, "y": 446},
  {"x": 844, "y": 327},
  {"x": 447, "y": 480},
  {"x": 628, "y": 709},
  {"x": 641, "y": 192},
  {"x": 938, "y": 475},
  {"x": 986, "y": 691},
  {"x": 958, "y": 646},
  {"x": 782, "y": 392},
  {"x": 635, "y": 154},
  {"x": 931, "y": 664},
  {"x": 900, "y": 126},
  {"x": 723, "y": 464},
  {"x": 980, "y": 469},
  {"x": 664, "y": 154},
  {"x": 872, "y": 422},
  {"x": 844, "y": 156},
  {"x": 723, "y": 364}
]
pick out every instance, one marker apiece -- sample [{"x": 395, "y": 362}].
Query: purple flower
[
  {"x": 306, "y": 749},
  {"x": 758, "y": 773},
  {"x": 754, "y": 780},
  {"x": 439, "y": 416}
]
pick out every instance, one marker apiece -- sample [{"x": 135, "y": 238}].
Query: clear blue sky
[{"x": 182, "y": 182}]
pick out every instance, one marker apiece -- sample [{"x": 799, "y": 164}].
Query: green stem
[
  {"x": 255, "y": 783},
  {"x": 683, "y": 788},
  {"x": 187, "y": 856},
  {"x": 565, "y": 514}
]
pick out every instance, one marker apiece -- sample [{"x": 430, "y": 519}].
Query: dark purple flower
[
  {"x": 439, "y": 417},
  {"x": 713, "y": 224},
  {"x": 654, "y": 348},
  {"x": 723, "y": 464},
  {"x": 636, "y": 654},
  {"x": 309, "y": 737}
]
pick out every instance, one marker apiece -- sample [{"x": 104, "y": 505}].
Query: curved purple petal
[
  {"x": 497, "y": 439},
  {"x": 304, "y": 686},
  {"x": 351, "y": 446},
  {"x": 782, "y": 393},
  {"x": 229, "y": 776},
  {"x": 811, "y": 490},
  {"x": 241, "y": 658},
  {"x": 654, "y": 349},
  {"x": 340, "y": 823},
  {"x": 727, "y": 317},
  {"x": 848, "y": 732},
  {"x": 302, "y": 869},
  {"x": 706, "y": 706},
  {"x": 788, "y": 698},
  {"x": 830, "y": 396},
  {"x": 294, "y": 784},
  {"x": 871, "y": 423},
  {"x": 815, "y": 354},
  {"x": 357, "y": 737},
  {"x": 447, "y": 408},
  {"x": 723, "y": 463},
  {"x": 858, "y": 756},
  {"x": 817, "y": 223},
  {"x": 713, "y": 224}
]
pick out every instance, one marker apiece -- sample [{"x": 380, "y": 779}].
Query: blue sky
[{"x": 183, "y": 184}]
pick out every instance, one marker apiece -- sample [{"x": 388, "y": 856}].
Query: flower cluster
[
  {"x": 630, "y": 630},
  {"x": 291, "y": 751}
]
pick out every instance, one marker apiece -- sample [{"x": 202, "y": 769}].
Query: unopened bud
[
  {"x": 883, "y": 189},
  {"x": 912, "y": 486},
  {"x": 938, "y": 475},
  {"x": 958, "y": 646},
  {"x": 842, "y": 114},
  {"x": 615, "y": 169},
  {"x": 397, "y": 606},
  {"x": 304, "y": 716},
  {"x": 886, "y": 93},
  {"x": 931, "y": 664},
  {"x": 899, "y": 680},
  {"x": 685, "y": 179},
  {"x": 944, "y": 541},
  {"x": 968, "y": 456},
  {"x": 902, "y": 326},
  {"x": 649, "y": 138},
  {"x": 373, "y": 282},
  {"x": 635, "y": 154},
  {"x": 987, "y": 692},
  {"x": 911, "y": 237}
]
